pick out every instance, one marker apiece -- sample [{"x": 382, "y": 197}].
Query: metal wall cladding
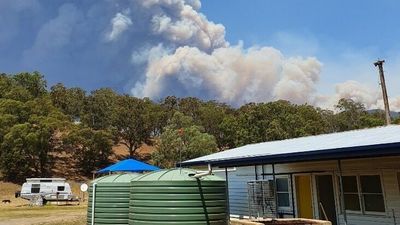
[
  {"x": 111, "y": 200},
  {"x": 175, "y": 197}
]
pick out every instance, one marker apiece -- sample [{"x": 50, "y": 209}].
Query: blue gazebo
[{"x": 129, "y": 165}]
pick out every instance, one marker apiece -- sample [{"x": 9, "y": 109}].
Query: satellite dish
[{"x": 84, "y": 187}]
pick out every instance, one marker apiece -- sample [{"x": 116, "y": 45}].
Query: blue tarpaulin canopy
[{"x": 128, "y": 165}]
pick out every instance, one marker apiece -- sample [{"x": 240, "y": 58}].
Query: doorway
[
  {"x": 304, "y": 197},
  {"x": 326, "y": 198}
]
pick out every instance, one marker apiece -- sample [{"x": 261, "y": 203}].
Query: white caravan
[{"x": 48, "y": 189}]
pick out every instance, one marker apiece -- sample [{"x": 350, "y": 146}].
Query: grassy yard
[
  {"x": 47, "y": 215},
  {"x": 78, "y": 221}
]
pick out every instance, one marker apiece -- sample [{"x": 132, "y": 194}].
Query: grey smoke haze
[{"x": 155, "y": 48}]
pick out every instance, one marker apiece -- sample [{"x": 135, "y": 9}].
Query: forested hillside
[{"x": 38, "y": 122}]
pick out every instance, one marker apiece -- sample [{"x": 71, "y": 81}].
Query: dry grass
[
  {"x": 65, "y": 165},
  {"x": 30, "y": 212},
  {"x": 143, "y": 153},
  {"x": 42, "y": 215},
  {"x": 78, "y": 221},
  {"x": 7, "y": 192}
]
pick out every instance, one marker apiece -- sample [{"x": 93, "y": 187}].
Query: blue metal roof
[
  {"x": 371, "y": 142},
  {"x": 128, "y": 165}
]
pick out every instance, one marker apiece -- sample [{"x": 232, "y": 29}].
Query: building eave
[{"x": 380, "y": 150}]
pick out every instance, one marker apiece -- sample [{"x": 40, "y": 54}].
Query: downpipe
[
  {"x": 202, "y": 174},
  {"x": 233, "y": 169},
  {"x": 93, "y": 201},
  {"x": 210, "y": 171}
]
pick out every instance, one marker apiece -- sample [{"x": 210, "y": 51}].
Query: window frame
[
  {"x": 357, "y": 193},
  {"x": 360, "y": 195},
  {"x": 365, "y": 212},
  {"x": 35, "y": 187},
  {"x": 288, "y": 192},
  {"x": 61, "y": 186}
]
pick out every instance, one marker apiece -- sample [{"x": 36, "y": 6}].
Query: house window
[
  {"x": 363, "y": 193},
  {"x": 350, "y": 191},
  {"x": 60, "y": 188},
  {"x": 35, "y": 188},
  {"x": 282, "y": 191},
  {"x": 371, "y": 191}
]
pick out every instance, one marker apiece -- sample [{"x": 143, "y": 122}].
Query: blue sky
[
  {"x": 344, "y": 35},
  {"x": 324, "y": 49},
  {"x": 357, "y": 23}
]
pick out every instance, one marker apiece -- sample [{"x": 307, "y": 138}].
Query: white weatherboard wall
[
  {"x": 387, "y": 167},
  {"x": 237, "y": 183}
]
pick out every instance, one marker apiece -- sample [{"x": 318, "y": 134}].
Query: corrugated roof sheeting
[{"x": 308, "y": 145}]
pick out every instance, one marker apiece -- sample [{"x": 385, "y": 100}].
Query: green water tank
[
  {"x": 175, "y": 197},
  {"x": 111, "y": 199}
]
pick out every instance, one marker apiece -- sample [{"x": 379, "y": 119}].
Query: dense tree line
[{"x": 37, "y": 121}]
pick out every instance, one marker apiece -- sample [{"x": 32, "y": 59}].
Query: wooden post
[
  {"x": 343, "y": 208},
  {"x": 275, "y": 195},
  {"x": 292, "y": 193},
  {"x": 379, "y": 64},
  {"x": 228, "y": 211}
]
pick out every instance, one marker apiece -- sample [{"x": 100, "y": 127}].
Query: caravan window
[
  {"x": 60, "y": 188},
  {"x": 35, "y": 188},
  {"x": 46, "y": 181}
]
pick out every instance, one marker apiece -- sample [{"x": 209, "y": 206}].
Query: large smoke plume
[
  {"x": 231, "y": 74},
  {"x": 198, "y": 61},
  {"x": 156, "y": 48}
]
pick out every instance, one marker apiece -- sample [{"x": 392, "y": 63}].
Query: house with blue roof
[{"x": 348, "y": 178}]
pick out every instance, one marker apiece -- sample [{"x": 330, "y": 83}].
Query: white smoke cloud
[
  {"x": 371, "y": 97},
  {"x": 189, "y": 26},
  {"x": 195, "y": 4},
  {"x": 120, "y": 23},
  {"x": 232, "y": 74},
  {"x": 149, "y": 54},
  {"x": 394, "y": 104},
  {"x": 203, "y": 63},
  {"x": 358, "y": 92},
  {"x": 299, "y": 80}
]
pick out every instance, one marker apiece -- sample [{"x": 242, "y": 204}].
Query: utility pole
[{"x": 379, "y": 64}]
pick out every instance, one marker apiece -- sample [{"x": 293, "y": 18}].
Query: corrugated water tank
[
  {"x": 111, "y": 203},
  {"x": 175, "y": 197}
]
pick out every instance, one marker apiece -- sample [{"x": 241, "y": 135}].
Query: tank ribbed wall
[
  {"x": 111, "y": 200},
  {"x": 174, "y": 197}
]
